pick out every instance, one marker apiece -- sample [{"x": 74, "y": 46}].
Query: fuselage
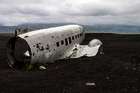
[{"x": 45, "y": 45}]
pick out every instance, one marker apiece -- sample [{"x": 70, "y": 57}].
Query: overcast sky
[{"x": 14, "y": 12}]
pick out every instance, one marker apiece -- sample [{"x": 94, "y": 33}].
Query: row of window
[{"x": 68, "y": 40}]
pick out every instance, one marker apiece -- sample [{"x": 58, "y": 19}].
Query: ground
[{"x": 116, "y": 71}]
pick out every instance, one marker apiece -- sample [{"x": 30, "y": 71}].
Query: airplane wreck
[{"x": 47, "y": 45}]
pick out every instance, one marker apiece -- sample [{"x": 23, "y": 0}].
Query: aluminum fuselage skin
[{"x": 48, "y": 45}]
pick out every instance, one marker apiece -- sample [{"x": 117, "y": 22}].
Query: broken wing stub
[{"x": 87, "y": 50}]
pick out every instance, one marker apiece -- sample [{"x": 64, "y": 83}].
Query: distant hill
[
  {"x": 130, "y": 29},
  {"x": 113, "y": 28},
  {"x": 7, "y": 29}
]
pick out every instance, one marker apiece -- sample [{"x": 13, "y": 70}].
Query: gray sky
[{"x": 14, "y": 12}]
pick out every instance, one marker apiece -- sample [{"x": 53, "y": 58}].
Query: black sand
[{"x": 117, "y": 71}]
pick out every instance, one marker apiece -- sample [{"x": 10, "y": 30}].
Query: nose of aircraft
[
  {"x": 21, "y": 50},
  {"x": 18, "y": 52}
]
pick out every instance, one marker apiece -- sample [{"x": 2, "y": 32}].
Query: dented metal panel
[{"x": 42, "y": 43}]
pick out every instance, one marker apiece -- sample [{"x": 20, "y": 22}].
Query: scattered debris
[
  {"x": 27, "y": 53},
  {"x": 42, "y": 67},
  {"x": 90, "y": 84}
]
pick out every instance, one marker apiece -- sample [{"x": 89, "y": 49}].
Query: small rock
[
  {"x": 42, "y": 67},
  {"x": 90, "y": 84}
]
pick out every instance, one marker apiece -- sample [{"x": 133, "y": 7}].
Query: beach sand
[{"x": 115, "y": 71}]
